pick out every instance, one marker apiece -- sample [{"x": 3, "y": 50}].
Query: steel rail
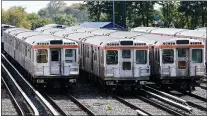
[
  {"x": 187, "y": 108},
  {"x": 203, "y": 87},
  {"x": 139, "y": 110},
  {"x": 81, "y": 105},
  {"x": 22, "y": 92},
  {"x": 43, "y": 100},
  {"x": 17, "y": 106},
  {"x": 62, "y": 113},
  {"x": 168, "y": 95},
  {"x": 161, "y": 106}
]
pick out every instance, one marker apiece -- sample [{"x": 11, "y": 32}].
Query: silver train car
[
  {"x": 175, "y": 62},
  {"x": 112, "y": 61},
  {"x": 47, "y": 60},
  {"x": 198, "y": 34}
]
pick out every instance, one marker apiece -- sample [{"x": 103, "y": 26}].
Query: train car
[
  {"x": 49, "y": 60},
  {"x": 175, "y": 62},
  {"x": 195, "y": 34},
  {"x": 109, "y": 60},
  {"x": 113, "y": 61}
]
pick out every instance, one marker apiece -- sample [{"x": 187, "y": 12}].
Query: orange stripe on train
[
  {"x": 173, "y": 47},
  {"x": 45, "y": 47},
  {"x": 118, "y": 48}
]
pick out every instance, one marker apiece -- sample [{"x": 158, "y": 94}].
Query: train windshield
[
  {"x": 168, "y": 56},
  {"x": 197, "y": 55},
  {"x": 141, "y": 56},
  {"x": 112, "y": 57},
  {"x": 42, "y": 56},
  {"x": 126, "y": 53},
  {"x": 70, "y": 55}
]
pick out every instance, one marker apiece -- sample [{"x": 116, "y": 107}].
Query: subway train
[
  {"x": 114, "y": 62},
  {"x": 47, "y": 60},
  {"x": 193, "y": 58},
  {"x": 198, "y": 34}
]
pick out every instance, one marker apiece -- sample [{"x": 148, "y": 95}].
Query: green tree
[
  {"x": 18, "y": 17},
  {"x": 4, "y": 17},
  {"x": 78, "y": 11},
  {"x": 65, "y": 20}
]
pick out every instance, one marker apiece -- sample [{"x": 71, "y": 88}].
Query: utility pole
[
  {"x": 124, "y": 15},
  {"x": 113, "y": 14}
]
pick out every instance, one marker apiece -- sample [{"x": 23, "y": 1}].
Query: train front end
[
  {"x": 56, "y": 62},
  {"x": 126, "y": 63},
  {"x": 182, "y": 62}
]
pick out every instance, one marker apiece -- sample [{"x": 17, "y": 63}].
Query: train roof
[
  {"x": 27, "y": 34},
  {"x": 14, "y": 31},
  {"x": 151, "y": 39},
  {"x": 79, "y": 36},
  {"x": 167, "y": 31},
  {"x": 192, "y": 34},
  {"x": 85, "y": 29},
  {"x": 43, "y": 28},
  {"x": 73, "y": 28},
  {"x": 203, "y": 28},
  {"x": 125, "y": 34},
  {"x": 144, "y": 29},
  {"x": 62, "y": 33},
  {"x": 103, "y": 40},
  {"x": 156, "y": 39},
  {"x": 102, "y": 31},
  {"x": 51, "y": 30},
  {"x": 33, "y": 37}
]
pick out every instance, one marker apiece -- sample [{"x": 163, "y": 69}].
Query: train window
[
  {"x": 112, "y": 57},
  {"x": 141, "y": 56},
  {"x": 25, "y": 50},
  {"x": 126, "y": 66},
  {"x": 126, "y": 53},
  {"x": 197, "y": 55},
  {"x": 88, "y": 52},
  {"x": 102, "y": 56},
  {"x": 42, "y": 56},
  {"x": 168, "y": 56},
  {"x": 70, "y": 55},
  {"x": 182, "y": 53}
]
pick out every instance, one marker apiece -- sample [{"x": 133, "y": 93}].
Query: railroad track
[
  {"x": 68, "y": 105},
  {"x": 9, "y": 103},
  {"x": 23, "y": 103},
  {"x": 40, "y": 105},
  {"x": 169, "y": 102},
  {"x": 99, "y": 102},
  {"x": 198, "y": 106}
]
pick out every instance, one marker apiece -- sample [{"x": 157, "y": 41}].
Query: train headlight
[
  {"x": 109, "y": 83},
  {"x": 40, "y": 80}
]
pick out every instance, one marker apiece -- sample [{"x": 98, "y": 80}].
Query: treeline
[
  {"x": 55, "y": 12},
  {"x": 178, "y": 14}
]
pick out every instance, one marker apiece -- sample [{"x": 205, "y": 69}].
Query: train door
[
  {"x": 55, "y": 61},
  {"x": 126, "y": 63},
  {"x": 182, "y": 61}
]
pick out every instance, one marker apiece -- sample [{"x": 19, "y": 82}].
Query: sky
[
  {"x": 35, "y": 6},
  {"x": 31, "y": 6}
]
